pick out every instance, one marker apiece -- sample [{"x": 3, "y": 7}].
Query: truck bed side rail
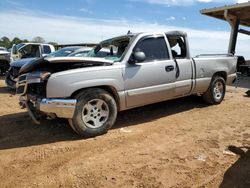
[{"x": 208, "y": 55}]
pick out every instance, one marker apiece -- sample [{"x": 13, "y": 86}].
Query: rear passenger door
[
  {"x": 152, "y": 80},
  {"x": 179, "y": 52}
]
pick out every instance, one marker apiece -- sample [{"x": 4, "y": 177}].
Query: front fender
[{"x": 64, "y": 84}]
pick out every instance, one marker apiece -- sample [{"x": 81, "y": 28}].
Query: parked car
[
  {"x": 73, "y": 51},
  {"x": 87, "y": 52},
  {"x": 3, "y": 48},
  {"x": 140, "y": 69},
  {"x": 29, "y": 50},
  {"x": 4, "y": 60}
]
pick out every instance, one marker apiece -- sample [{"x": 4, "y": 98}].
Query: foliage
[
  {"x": 7, "y": 43},
  {"x": 53, "y": 43},
  {"x": 38, "y": 39}
]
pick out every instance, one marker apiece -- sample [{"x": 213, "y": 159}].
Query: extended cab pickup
[
  {"x": 29, "y": 50},
  {"x": 140, "y": 69}
]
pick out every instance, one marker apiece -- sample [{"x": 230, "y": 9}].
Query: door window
[
  {"x": 46, "y": 49},
  {"x": 153, "y": 48},
  {"x": 178, "y": 46},
  {"x": 29, "y": 51}
]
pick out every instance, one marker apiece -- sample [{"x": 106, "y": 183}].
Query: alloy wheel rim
[
  {"x": 218, "y": 90},
  {"x": 95, "y": 113}
]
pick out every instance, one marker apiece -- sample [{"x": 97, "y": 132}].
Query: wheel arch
[
  {"x": 222, "y": 74},
  {"x": 110, "y": 89}
]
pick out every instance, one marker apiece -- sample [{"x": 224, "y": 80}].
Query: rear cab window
[{"x": 46, "y": 49}]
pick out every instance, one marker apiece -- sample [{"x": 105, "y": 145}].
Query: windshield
[
  {"x": 112, "y": 49},
  {"x": 80, "y": 53},
  {"x": 62, "y": 52},
  {"x": 17, "y": 47}
]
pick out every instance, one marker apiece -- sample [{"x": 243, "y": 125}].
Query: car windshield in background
[
  {"x": 15, "y": 48},
  {"x": 112, "y": 49},
  {"x": 63, "y": 52},
  {"x": 80, "y": 52}
]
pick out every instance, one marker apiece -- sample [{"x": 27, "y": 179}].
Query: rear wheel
[
  {"x": 216, "y": 91},
  {"x": 95, "y": 112}
]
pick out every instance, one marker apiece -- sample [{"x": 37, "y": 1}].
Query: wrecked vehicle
[
  {"x": 15, "y": 66},
  {"x": 4, "y": 60},
  {"x": 140, "y": 69}
]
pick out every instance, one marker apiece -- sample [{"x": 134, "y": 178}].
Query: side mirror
[{"x": 137, "y": 57}]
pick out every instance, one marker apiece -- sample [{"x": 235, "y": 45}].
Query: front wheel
[
  {"x": 10, "y": 82},
  {"x": 95, "y": 112},
  {"x": 216, "y": 91}
]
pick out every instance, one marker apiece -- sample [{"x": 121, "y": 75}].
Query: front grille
[
  {"x": 22, "y": 85},
  {"x": 15, "y": 72},
  {"x": 30, "y": 83},
  {"x": 20, "y": 90},
  {"x": 22, "y": 78}
]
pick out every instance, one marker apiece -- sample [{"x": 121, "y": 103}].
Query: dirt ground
[{"x": 179, "y": 143}]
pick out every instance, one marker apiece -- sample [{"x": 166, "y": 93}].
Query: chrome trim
[
  {"x": 25, "y": 79},
  {"x": 63, "y": 108},
  {"x": 34, "y": 80},
  {"x": 22, "y": 81}
]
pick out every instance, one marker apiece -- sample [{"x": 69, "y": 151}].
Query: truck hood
[
  {"x": 21, "y": 62},
  {"x": 57, "y": 64},
  {"x": 78, "y": 59}
]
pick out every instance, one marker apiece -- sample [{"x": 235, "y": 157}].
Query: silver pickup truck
[{"x": 140, "y": 69}]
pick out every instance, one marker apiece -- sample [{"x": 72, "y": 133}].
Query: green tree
[
  {"x": 16, "y": 40},
  {"x": 5, "y": 42},
  {"x": 53, "y": 43},
  {"x": 25, "y": 40},
  {"x": 38, "y": 39}
]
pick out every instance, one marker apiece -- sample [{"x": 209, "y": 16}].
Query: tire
[
  {"x": 95, "y": 112},
  {"x": 216, "y": 91},
  {"x": 4, "y": 66},
  {"x": 9, "y": 82}
]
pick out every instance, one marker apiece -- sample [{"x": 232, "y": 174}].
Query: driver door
[{"x": 152, "y": 80}]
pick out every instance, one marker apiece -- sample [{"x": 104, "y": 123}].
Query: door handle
[{"x": 169, "y": 68}]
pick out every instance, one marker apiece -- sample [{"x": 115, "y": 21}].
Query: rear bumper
[{"x": 231, "y": 78}]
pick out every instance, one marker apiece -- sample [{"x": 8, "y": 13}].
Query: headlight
[
  {"x": 44, "y": 75},
  {"x": 37, "y": 77}
]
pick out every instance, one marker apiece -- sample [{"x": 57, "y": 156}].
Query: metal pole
[
  {"x": 234, "y": 23},
  {"x": 233, "y": 36}
]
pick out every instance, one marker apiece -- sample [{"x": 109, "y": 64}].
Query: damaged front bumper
[
  {"x": 39, "y": 106},
  {"x": 61, "y": 108}
]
